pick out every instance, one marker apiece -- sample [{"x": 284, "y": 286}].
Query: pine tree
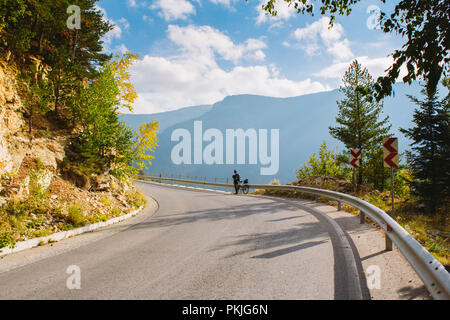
[
  {"x": 444, "y": 140},
  {"x": 358, "y": 118},
  {"x": 429, "y": 158},
  {"x": 39, "y": 29}
]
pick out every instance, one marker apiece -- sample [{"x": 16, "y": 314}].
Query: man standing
[{"x": 236, "y": 179}]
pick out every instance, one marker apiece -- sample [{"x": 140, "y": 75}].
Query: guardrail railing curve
[{"x": 430, "y": 270}]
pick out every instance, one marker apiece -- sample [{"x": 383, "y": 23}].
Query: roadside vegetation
[
  {"x": 71, "y": 88},
  {"x": 61, "y": 207},
  {"x": 421, "y": 182},
  {"x": 431, "y": 231}
]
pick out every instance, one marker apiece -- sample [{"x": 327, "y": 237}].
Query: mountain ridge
[{"x": 303, "y": 122}]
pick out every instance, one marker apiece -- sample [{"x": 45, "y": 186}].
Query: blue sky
[{"x": 197, "y": 52}]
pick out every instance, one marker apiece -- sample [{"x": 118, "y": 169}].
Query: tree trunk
[
  {"x": 358, "y": 125},
  {"x": 30, "y": 123},
  {"x": 57, "y": 92},
  {"x": 41, "y": 39}
]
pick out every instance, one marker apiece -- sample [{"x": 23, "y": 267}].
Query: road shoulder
[
  {"x": 397, "y": 279},
  {"x": 28, "y": 256}
]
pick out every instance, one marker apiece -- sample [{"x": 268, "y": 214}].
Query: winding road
[{"x": 211, "y": 245}]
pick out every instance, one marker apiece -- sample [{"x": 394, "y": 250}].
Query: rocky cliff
[
  {"x": 39, "y": 192},
  {"x": 17, "y": 145}
]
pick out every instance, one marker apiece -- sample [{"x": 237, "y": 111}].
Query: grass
[
  {"x": 135, "y": 199},
  {"x": 431, "y": 231},
  {"x": 106, "y": 201},
  {"x": 76, "y": 215},
  {"x": 39, "y": 215}
]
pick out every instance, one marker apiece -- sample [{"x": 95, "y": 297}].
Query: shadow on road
[
  {"x": 297, "y": 237},
  {"x": 284, "y": 251},
  {"x": 411, "y": 293},
  {"x": 224, "y": 212}
]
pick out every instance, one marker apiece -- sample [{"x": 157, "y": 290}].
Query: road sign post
[
  {"x": 355, "y": 155},
  {"x": 392, "y": 191},
  {"x": 390, "y": 153}
]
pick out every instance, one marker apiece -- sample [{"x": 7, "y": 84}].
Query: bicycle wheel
[{"x": 245, "y": 189}]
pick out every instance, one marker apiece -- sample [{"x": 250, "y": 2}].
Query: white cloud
[
  {"x": 223, "y": 2},
  {"x": 147, "y": 18},
  {"x": 193, "y": 76},
  {"x": 316, "y": 37},
  {"x": 205, "y": 43},
  {"x": 132, "y": 3},
  {"x": 122, "y": 49},
  {"x": 173, "y": 9},
  {"x": 376, "y": 67},
  {"x": 284, "y": 13},
  {"x": 137, "y": 4},
  {"x": 124, "y": 22}
]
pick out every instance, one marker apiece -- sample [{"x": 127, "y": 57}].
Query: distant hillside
[
  {"x": 166, "y": 119},
  {"x": 302, "y": 122}
]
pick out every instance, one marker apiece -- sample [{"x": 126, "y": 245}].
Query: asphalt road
[{"x": 201, "y": 245}]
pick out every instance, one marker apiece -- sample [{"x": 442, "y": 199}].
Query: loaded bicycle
[{"x": 243, "y": 186}]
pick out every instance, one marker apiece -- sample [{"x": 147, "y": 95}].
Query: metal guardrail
[{"x": 432, "y": 272}]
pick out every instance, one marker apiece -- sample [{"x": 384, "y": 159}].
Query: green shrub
[
  {"x": 76, "y": 216},
  {"x": 135, "y": 199},
  {"x": 6, "y": 239},
  {"x": 116, "y": 212},
  {"x": 41, "y": 233},
  {"x": 327, "y": 163},
  {"x": 402, "y": 183}
]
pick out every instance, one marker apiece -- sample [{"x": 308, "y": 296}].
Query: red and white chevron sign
[
  {"x": 390, "y": 150},
  {"x": 355, "y": 156}
]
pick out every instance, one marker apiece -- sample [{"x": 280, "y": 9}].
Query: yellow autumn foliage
[
  {"x": 146, "y": 141},
  {"x": 120, "y": 66}
]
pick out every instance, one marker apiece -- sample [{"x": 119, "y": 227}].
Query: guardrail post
[
  {"x": 160, "y": 175},
  {"x": 362, "y": 217},
  {"x": 388, "y": 243},
  {"x": 339, "y": 206},
  {"x": 215, "y": 181},
  {"x": 226, "y": 188},
  {"x": 204, "y": 186}
]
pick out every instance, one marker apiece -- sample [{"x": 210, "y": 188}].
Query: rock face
[
  {"x": 11, "y": 119},
  {"x": 17, "y": 146},
  {"x": 51, "y": 192},
  {"x": 101, "y": 182},
  {"x": 36, "y": 160}
]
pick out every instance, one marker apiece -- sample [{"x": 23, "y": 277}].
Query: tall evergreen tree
[
  {"x": 444, "y": 139},
  {"x": 430, "y": 157},
  {"x": 39, "y": 29},
  {"x": 358, "y": 118}
]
